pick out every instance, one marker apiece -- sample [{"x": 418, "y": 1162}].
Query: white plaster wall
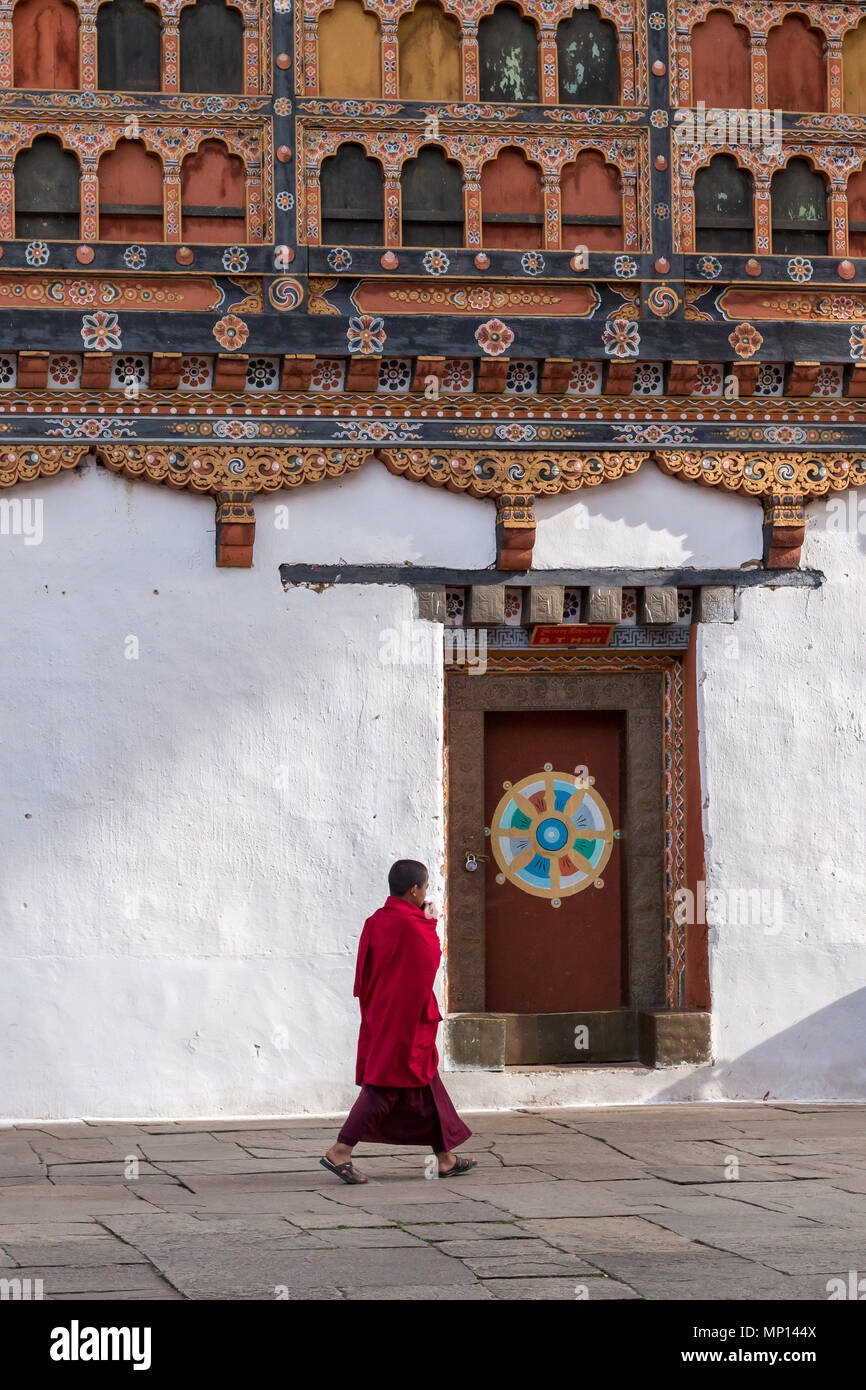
[
  {"x": 648, "y": 520},
  {"x": 194, "y": 838}
]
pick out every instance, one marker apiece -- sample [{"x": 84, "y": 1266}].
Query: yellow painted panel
[
  {"x": 350, "y": 52},
  {"x": 429, "y": 42},
  {"x": 854, "y": 70}
]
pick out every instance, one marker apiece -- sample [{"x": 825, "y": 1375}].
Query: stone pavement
[{"x": 750, "y": 1202}]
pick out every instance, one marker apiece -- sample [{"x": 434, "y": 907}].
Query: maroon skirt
[{"x": 405, "y": 1115}]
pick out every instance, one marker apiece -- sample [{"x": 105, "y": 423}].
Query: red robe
[{"x": 398, "y": 956}]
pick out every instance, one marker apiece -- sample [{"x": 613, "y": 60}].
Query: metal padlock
[{"x": 471, "y": 863}]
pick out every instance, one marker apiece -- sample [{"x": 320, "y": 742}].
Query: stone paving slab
[{"x": 573, "y": 1204}]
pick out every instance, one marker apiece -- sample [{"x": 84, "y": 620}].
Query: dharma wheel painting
[{"x": 552, "y": 834}]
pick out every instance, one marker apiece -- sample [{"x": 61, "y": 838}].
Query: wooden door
[{"x": 555, "y": 931}]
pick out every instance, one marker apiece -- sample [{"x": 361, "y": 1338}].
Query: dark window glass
[
  {"x": 587, "y": 60},
  {"x": 799, "y": 200},
  {"x": 128, "y": 47},
  {"x": 47, "y": 192},
  {"x": 352, "y": 199},
  {"x": 724, "y": 215},
  {"x": 507, "y": 56},
  {"x": 211, "y": 48},
  {"x": 432, "y": 197}
]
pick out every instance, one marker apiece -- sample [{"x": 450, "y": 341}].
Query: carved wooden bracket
[
  {"x": 784, "y": 529},
  {"x": 235, "y": 530},
  {"x": 515, "y": 531}
]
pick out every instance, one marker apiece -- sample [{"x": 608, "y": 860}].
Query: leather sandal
[
  {"x": 344, "y": 1171},
  {"x": 463, "y": 1165}
]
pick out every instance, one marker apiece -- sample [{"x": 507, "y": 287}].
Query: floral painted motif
[
  {"x": 657, "y": 20},
  {"x": 285, "y": 201},
  {"x": 494, "y": 337},
  {"x": 661, "y": 211},
  {"x": 366, "y": 335},
  {"x": 513, "y": 607},
  {"x": 100, "y": 331},
  {"x": 659, "y": 119},
  {"x": 64, "y": 369},
  {"x": 135, "y": 258},
  {"x": 231, "y": 332},
  {"x": 457, "y": 376},
  {"x": 770, "y": 380},
  {"x": 436, "y": 262},
  {"x": 800, "y": 269},
  {"x": 532, "y": 263},
  {"x": 129, "y": 371},
  {"x": 571, "y": 606},
  {"x": 621, "y": 338},
  {"x": 710, "y": 267},
  {"x": 339, "y": 258},
  {"x": 81, "y": 293},
  {"x": 8, "y": 371},
  {"x": 745, "y": 340},
  {"x": 828, "y": 381},
  {"x": 36, "y": 253},
  {"x": 684, "y": 605},
  {"x": 625, "y": 267},
  {"x": 522, "y": 377},
  {"x": 628, "y": 611},
  {"x": 235, "y": 258},
  {"x": 585, "y": 379},
  {"x": 282, "y": 106},
  {"x": 196, "y": 372},
  {"x": 263, "y": 373},
  {"x": 328, "y": 375},
  {"x": 648, "y": 379},
  {"x": 857, "y": 341},
  {"x": 709, "y": 380},
  {"x": 455, "y": 606},
  {"x": 395, "y": 374}
]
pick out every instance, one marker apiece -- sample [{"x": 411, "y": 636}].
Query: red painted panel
[
  {"x": 510, "y": 184},
  {"x": 796, "y": 75},
  {"x": 591, "y": 186},
  {"x": 45, "y": 45},
  {"x": 541, "y": 959},
  {"x": 130, "y": 175},
  {"x": 721, "y": 64},
  {"x": 213, "y": 178}
]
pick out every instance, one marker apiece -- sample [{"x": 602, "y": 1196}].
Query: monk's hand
[{"x": 429, "y": 909}]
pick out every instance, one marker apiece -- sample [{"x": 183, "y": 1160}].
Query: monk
[{"x": 402, "y": 1098}]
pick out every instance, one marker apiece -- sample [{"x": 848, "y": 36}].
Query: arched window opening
[
  {"x": 45, "y": 45},
  {"x": 857, "y": 214},
  {"x": 432, "y": 198},
  {"x": 128, "y": 47},
  {"x": 349, "y": 51},
  {"x": 507, "y": 56},
  {"x": 799, "y": 203},
  {"x": 512, "y": 203},
  {"x": 47, "y": 199},
  {"x": 211, "y": 47},
  {"x": 213, "y": 195},
  {"x": 796, "y": 71},
  {"x": 587, "y": 60},
  {"x": 721, "y": 63},
  {"x": 352, "y": 199},
  {"x": 591, "y": 199},
  {"x": 724, "y": 207},
  {"x": 853, "y": 70},
  {"x": 429, "y": 51},
  {"x": 130, "y": 194}
]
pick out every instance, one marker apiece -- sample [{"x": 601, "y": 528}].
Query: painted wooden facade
[{"x": 255, "y": 238}]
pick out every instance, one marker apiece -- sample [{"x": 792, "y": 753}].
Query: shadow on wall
[{"x": 822, "y": 1057}]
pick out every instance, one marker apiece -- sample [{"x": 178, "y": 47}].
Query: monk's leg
[{"x": 339, "y": 1153}]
